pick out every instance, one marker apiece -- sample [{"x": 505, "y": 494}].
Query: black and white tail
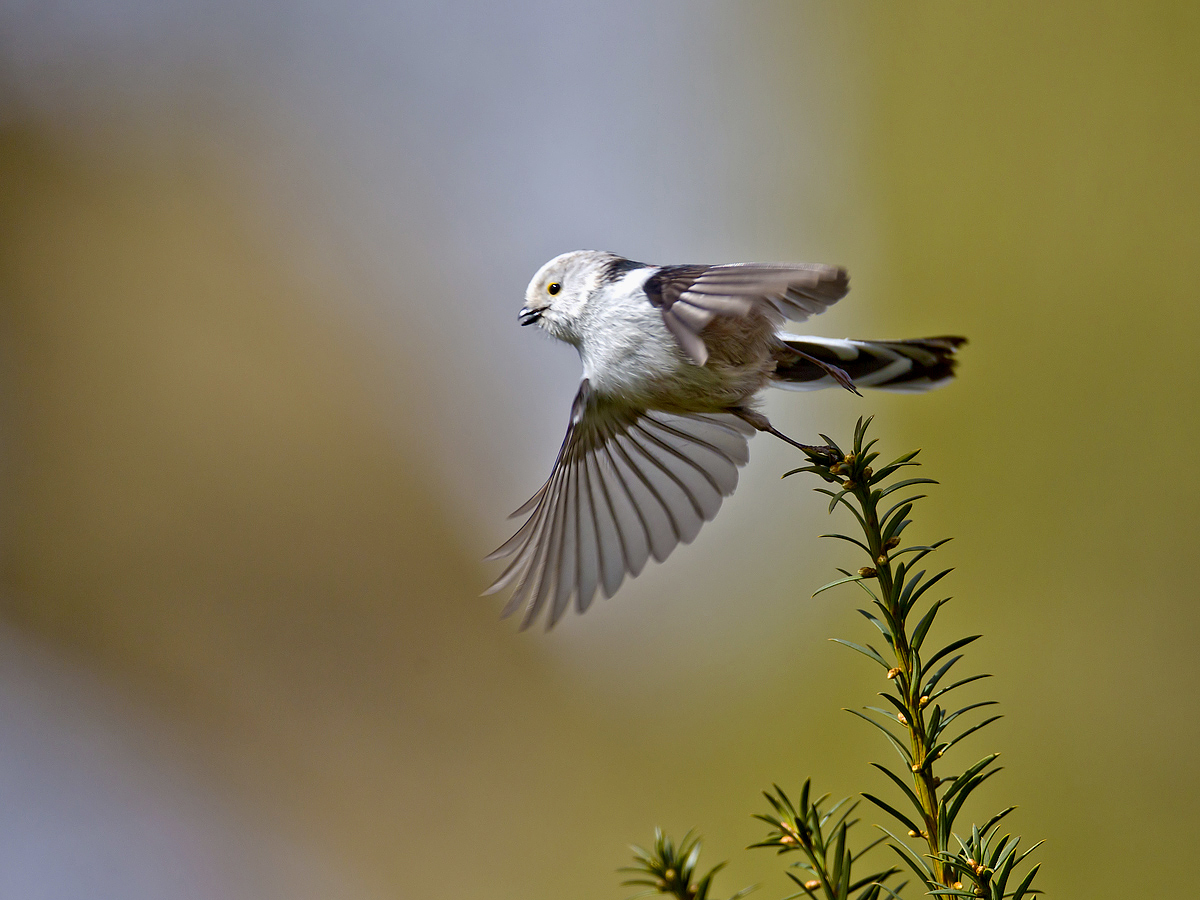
[{"x": 921, "y": 364}]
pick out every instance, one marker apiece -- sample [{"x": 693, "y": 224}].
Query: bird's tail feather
[{"x": 804, "y": 363}]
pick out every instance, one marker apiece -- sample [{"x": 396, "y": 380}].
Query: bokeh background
[{"x": 264, "y": 406}]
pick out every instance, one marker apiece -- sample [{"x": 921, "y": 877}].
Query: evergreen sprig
[
  {"x": 820, "y": 836},
  {"x": 916, "y": 720},
  {"x": 981, "y": 866},
  {"x": 670, "y": 870}
]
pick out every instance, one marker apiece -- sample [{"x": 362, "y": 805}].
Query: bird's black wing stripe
[{"x": 616, "y": 267}]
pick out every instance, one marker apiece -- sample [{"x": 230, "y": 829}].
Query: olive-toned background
[{"x": 265, "y": 406}]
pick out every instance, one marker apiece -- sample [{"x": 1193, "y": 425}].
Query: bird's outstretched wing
[
  {"x": 692, "y": 296},
  {"x": 628, "y": 484}
]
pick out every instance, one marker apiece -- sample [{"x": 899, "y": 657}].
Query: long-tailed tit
[{"x": 673, "y": 358}]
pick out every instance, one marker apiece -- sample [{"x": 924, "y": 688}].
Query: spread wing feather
[
  {"x": 690, "y": 297},
  {"x": 628, "y": 484}
]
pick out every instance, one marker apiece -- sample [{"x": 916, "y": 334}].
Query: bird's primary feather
[{"x": 628, "y": 484}]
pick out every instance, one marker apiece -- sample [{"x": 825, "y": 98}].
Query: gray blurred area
[{"x": 264, "y": 406}]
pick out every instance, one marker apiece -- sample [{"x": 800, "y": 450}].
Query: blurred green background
[{"x": 265, "y": 407}]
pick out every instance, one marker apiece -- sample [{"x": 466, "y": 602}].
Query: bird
[{"x": 674, "y": 358}]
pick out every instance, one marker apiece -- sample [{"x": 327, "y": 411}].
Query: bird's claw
[{"x": 824, "y": 455}]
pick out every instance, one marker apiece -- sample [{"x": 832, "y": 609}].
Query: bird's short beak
[{"x": 528, "y": 316}]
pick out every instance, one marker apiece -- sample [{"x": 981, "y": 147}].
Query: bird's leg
[{"x": 824, "y": 454}]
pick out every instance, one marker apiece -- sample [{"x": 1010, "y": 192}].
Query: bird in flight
[{"x": 673, "y": 359}]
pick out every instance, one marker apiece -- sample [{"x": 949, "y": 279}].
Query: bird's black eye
[{"x": 553, "y": 288}]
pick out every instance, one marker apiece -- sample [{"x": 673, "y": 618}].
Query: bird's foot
[{"x": 823, "y": 454}]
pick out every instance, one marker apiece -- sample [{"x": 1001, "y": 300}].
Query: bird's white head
[{"x": 557, "y": 298}]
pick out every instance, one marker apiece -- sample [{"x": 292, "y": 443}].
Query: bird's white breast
[{"x": 626, "y": 348}]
